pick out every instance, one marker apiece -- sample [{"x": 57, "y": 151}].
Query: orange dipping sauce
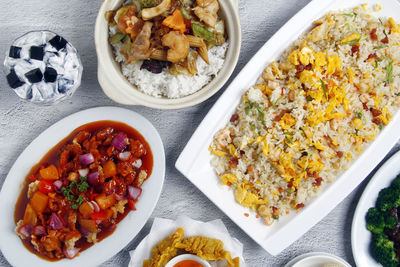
[{"x": 188, "y": 263}]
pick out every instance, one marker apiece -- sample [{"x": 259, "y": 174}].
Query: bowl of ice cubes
[{"x": 42, "y": 67}]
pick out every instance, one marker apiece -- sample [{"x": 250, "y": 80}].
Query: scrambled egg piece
[
  {"x": 228, "y": 179},
  {"x": 333, "y": 64},
  {"x": 306, "y": 56},
  {"x": 287, "y": 121},
  {"x": 219, "y": 153},
  {"x": 351, "y": 37},
  {"x": 320, "y": 60},
  {"x": 245, "y": 197}
]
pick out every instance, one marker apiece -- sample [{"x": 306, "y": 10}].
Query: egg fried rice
[{"x": 311, "y": 113}]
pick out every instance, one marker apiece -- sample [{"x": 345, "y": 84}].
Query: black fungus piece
[
  {"x": 154, "y": 66},
  {"x": 36, "y": 52},
  {"x": 34, "y": 76},
  {"x": 64, "y": 85},
  {"x": 58, "y": 42},
  {"x": 15, "y": 52},
  {"x": 13, "y": 80},
  {"x": 50, "y": 75}
]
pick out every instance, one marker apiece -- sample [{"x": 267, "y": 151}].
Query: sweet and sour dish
[{"x": 82, "y": 188}]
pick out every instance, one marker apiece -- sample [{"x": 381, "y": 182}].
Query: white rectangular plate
[{"x": 194, "y": 161}]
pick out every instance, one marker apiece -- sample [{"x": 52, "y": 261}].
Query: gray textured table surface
[{"x": 21, "y": 122}]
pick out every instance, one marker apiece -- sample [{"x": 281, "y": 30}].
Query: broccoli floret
[
  {"x": 149, "y": 3},
  {"x": 375, "y": 221},
  {"x": 396, "y": 183},
  {"x": 390, "y": 221},
  {"x": 382, "y": 249},
  {"x": 388, "y": 198}
]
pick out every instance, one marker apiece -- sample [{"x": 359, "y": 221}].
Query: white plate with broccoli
[{"x": 379, "y": 218}]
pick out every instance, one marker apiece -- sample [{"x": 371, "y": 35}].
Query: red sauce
[
  {"x": 188, "y": 263},
  {"x": 52, "y": 157}
]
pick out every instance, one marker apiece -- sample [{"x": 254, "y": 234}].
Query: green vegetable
[
  {"x": 126, "y": 47},
  {"x": 397, "y": 94},
  {"x": 396, "y": 183},
  {"x": 116, "y": 38},
  {"x": 388, "y": 199},
  {"x": 309, "y": 98},
  {"x": 324, "y": 88},
  {"x": 276, "y": 217},
  {"x": 71, "y": 192},
  {"x": 389, "y": 73},
  {"x": 202, "y": 32},
  {"x": 149, "y": 3},
  {"x": 359, "y": 115},
  {"x": 383, "y": 250},
  {"x": 249, "y": 110},
  {"x": 185, "y": 13},
  {"x": 377, "y": 221}
]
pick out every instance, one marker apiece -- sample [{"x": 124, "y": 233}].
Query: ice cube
[
  {"x": 15, "y": 52},
  {"x": 34, "y": 76},
  {"x": 58, "y": 42},
  {"x": 50, "y": 75},
  {"x": 64, "y": 85},
  {"x": 13, "y": 80},
  {"x": 36, "y": 52}
]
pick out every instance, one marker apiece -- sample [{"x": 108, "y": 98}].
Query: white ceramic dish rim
[
  {"x": 309, "y": 257},
  {"x": 182, "y": 257},
  {"x": 10, "y": 243},
  {"x": 117, "y": 87},
  {"x": 360, "y": 236},
  {"x": 194, "y": 159}
]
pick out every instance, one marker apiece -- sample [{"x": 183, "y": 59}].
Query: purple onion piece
[
  {"x": 26, "y": 230},
  {"x": 119, "y": 197},
  {"x": 93, "y": 178},
  {"x": 134, "y": 192},
  {"x": 83, "y": 172},
  {"x": 95, "y": 206},
  {"x": 86, "y": 159},
  {"x": 70, "y": 253},
  {"x": 83, "y": 231},
  {"x": 58, "y": 184},
  {"x": 119, "y": 141},
  {"x": 39, "y": 230},
  {"x": 55, "y": 222}
]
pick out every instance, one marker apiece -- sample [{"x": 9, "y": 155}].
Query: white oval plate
[
  {"x": 10, "y": 243},
  {"x": 316, "y": 259},
  {"x": 194, "y": 161},
  {"x": 360, "y": 236}
]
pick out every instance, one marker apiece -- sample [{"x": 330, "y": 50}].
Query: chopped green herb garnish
[
  {"x": 309, "y": 98},
  {"x": 397, "y": 94},
  {"x": 359, "y": 115},
  {"x": 276, "y": 217},
  {"x": 380, "y": 126},
  {"x": 252, "y": 126},
  {"x": 260, "y": 113},
  {"x": 276, "y": 102},
  {"x": 384, "y": 32},
  {"x": 288, "y": 133},
  {"x": 248, "y": 107},
  {"x": 389, "y": 73},
  {"x": 324, "y": 88},
  {"x": 380, "y": 46},
  {"x": 348, "y": 15},
  {"x": 71, "y": 192},
  {"x": 356, "y": 41}
]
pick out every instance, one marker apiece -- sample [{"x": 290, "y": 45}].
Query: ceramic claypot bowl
[{"x": 118, "y": 88}]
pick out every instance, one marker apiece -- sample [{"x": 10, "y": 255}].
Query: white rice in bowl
[
  {"x": 311, "y": 113},
  {"x": 165, "y": 84}
]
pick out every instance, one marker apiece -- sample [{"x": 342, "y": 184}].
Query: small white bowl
[
  {"x": 183, "y": 257},
  {"x": 316, "y": 259},
  {"x": 117, "y": 87}
]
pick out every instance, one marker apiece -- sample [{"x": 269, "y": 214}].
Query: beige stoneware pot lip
[{"x": 117, "y": 87}]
